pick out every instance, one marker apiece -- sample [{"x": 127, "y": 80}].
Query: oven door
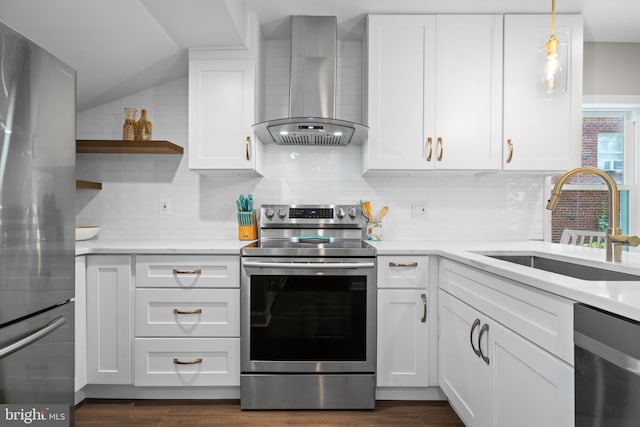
[{"x": 302, "y": 315}]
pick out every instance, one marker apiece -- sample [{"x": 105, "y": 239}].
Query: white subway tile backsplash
[{"x": 492, "y": 207}]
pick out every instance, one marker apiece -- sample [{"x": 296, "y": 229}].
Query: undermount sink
[{"x": 566, "y": 268}]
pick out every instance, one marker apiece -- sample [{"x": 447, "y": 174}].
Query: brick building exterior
[{"x": 579, "y": 209}]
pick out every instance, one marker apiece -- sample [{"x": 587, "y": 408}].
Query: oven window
[{"x": 308, "y": 318}]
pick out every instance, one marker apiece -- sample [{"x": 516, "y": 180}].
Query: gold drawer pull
[
  {"x": 510, "y": 156},
  {"x": 196, "y": 271},
  {"x": 188, "y": 362},
  {"x": 403, "y": 264},
  {"x": 196, "y": 311},
  {"x": 430, "y": 142},
  {"x": 441, "y": 144},
  {"x": 247, "y": 148}
]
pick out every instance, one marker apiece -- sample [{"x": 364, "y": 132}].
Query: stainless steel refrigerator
[{"x": 37, "y": 215}]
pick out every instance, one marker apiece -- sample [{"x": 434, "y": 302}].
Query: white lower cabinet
[
  {"x": 462, "y": 374},
  {"x": 109, "y": 306},
  {"x": 402, "y": 338},
  {"x": 81, "y": 324},
  {"x": 191, "y": 312},
  {"x": 403, "y": 322},
  {"x": 187, "y": 321},
  {"x": 187, "y": 361},
  {"x": 493, "y": 376}
]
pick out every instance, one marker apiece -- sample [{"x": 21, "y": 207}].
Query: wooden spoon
[{"x": 383, "y": 213}]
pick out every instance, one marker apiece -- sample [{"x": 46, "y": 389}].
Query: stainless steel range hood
[{"x": 312, "y": 90}]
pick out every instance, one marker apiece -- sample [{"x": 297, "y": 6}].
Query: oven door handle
[{"x": 308, "y": 265}]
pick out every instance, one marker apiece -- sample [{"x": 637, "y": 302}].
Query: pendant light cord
[{"x": 553, "y": 17}]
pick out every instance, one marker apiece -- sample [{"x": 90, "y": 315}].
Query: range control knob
[
  {"x": 352, "y": 212},
  {"x": 340, "y": 213},
  {"x": 269, "y": 213},
  {"x": 282, "y": 212}
]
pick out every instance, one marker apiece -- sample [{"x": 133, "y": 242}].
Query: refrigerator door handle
[{"x": 40, "y": 333}]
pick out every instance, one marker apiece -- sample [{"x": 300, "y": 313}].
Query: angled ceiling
[{"x": 123, "y": 46}]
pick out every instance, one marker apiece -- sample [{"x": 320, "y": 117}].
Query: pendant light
[{"x": 552, "y": 67}]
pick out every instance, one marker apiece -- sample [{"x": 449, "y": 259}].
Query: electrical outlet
[
  {"x": 165, "y": 206},
  {"x": 419, "y": 210}
]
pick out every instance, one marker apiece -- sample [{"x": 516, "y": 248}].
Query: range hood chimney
[{"x": 312, "y": 87}]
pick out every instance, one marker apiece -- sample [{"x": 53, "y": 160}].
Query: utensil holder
[
  {"x": 374, "y": 230},
  {"x": 248, "y": 232}
]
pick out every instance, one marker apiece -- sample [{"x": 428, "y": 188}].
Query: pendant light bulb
[{"x": 552, "y": 66}]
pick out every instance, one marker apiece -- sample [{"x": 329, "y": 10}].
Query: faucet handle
[{"x": 621, "y": 239}]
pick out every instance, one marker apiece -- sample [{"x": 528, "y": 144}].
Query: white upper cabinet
[
  {"x": 543, "y": 132},
  {"x": 221, "y": 112},
  {"x": 223, "y": 105},
  {"x": 434, "y": 92}
]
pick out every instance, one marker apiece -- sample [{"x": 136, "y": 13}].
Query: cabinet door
[
  {"x": 531, "y": 387},
  {"x": 510, "y": 382},
  {"x": 463, "y": 376},
  {"x": 468, "y": 92},
  {"x": 221, "y": 112},
  {"x": 435, "y": 92},
  {"x": 109, "y": 323},
  {"x": 81, "y": 324},
  {"x": 402, "y": 338},
  {"x": 400, "y": 91},
  {"x": 545, "y": 131}
]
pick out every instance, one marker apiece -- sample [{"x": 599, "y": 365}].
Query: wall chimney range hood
[{"x": 312, "y": 87}]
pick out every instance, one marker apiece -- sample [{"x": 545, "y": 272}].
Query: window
[
  {"x": 603, "y": 143},
  {"x": 608, "y": 141}
]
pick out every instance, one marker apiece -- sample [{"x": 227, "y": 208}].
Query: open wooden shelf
[
  {"x": 103, "y": 146},
  {"x": 88, "y": 185}
]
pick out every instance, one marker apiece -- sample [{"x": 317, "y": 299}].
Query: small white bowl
[{"x": 86, "y": 232}]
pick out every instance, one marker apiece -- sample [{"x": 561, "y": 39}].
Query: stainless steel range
[{"x": 308, "y": 311}]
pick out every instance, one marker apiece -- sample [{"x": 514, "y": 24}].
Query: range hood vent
[{"x": 312, "y": 86}]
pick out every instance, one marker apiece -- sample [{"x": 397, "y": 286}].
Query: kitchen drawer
[
  {"x": 541, "y": 317},
  {"x": 187, "y": 362},
  {"x": 188, "y": 271},
  {"x": 403, "y": 271},
  {"x": 187, "y": 312}
]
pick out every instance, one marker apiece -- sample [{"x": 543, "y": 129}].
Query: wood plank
[
  {"x": 88, "y": 185},
  {"x": 94, "y": 412},
  {"x": 127, "y": 147}
]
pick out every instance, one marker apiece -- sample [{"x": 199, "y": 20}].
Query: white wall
[
  {"x": 493, "y": 207},
  {"x": 611, "y": 69}
]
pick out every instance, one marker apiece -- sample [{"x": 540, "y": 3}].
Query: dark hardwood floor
[{"x": 165, "y": 413}]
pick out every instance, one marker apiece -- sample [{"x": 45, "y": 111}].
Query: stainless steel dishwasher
[{"x": 607, "y": 369}]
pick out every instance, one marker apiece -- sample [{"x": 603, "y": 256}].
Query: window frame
[{"x": 629, "y": 107}]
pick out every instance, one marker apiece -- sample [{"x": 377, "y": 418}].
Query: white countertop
[
  {"x": 622, "y": 298},
  {"x": 211, "y": 247}
]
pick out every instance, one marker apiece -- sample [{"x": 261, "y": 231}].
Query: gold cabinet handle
[
  {"x": 403, "y": 264},
  {"x": 196, "y": 271},
  {"x": 441, "y": 149},
  {"x": 510, "y": 156},
  {"x": 177, "y": 361},
  {"x": 430, "y": 142},
  {"x": 196, "y": 311},
  {"x": 247, "y": 147},
  {"x": 424, "y": 314}
]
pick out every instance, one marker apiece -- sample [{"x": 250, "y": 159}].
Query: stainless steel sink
[{"x": 566, "y": 268}]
